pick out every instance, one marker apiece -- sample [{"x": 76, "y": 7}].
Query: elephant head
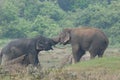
[
  {"x": 44, "y": 43},
  {"x": 64, "y": 36}
]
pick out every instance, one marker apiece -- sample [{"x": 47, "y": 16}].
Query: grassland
[{"x": 106, "y": 68}]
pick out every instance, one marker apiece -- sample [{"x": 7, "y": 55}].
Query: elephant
[
  {"x": 84, "y": 39},
  {"x": 26, "y": 50}
]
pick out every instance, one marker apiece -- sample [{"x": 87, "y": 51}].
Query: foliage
[
  {"x": 28, "y": 18},
  {"x": 8, "y": 13},
  {"x": 45, "y": 26}
]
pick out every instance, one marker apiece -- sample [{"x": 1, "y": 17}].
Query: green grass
[
  {"x": 106, "y": 68},
  {"x": 109, "y": 63}
]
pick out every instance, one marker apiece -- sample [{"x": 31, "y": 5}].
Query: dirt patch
[
  {"x": 58, "y": 57},
  {"x": 62, "y": 57}
]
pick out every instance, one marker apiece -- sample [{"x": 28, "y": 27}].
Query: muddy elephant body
[
  {"x": 84, "y": 39},
  {"x": 27, "y": 47}
]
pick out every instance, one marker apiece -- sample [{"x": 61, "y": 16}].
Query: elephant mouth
[
  {"x": 49, "y": 48},
  {"x": 64, "y": 43},
  {"x": 45, "y": 49}
]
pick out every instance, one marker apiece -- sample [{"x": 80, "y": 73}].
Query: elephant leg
[
  {"x": 92, "y": 55},
  {"x": 93, "y": 52},
  {"x": 75, "y": 52},
  {"x": 16, "y": 60},
  {"x": 100, "y": 52},
  {"x": 100, "y": 55},
  {"x": 80, "y": 54},
  {"x": 36, "y": 61},
  {"x": 25, "y": 61},
  {"x": 33, "y": 59}
]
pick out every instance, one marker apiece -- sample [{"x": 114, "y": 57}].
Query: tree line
[{"x": 28, "y": 18}]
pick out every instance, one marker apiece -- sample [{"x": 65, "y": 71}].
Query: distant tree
[
  {"x": 8, "y": 13},
  {"x": 28, "y": 18},
  {"x": 45, "y": 26},
  {"x": 17, "y": 29},
  {"x": 52, "y": 10},
  {"x": 72, "y": 5}
]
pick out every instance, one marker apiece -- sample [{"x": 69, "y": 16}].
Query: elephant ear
[
  {"x": 67, "y": 37},
  {"x": 39, "y": 45}
]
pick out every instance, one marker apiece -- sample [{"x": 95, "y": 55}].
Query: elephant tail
[
  {"x": 1, "y": 57},
  {"x": 106, "y": 42}
]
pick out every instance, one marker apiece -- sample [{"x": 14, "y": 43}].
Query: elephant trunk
[{"x": 55, "y": 40}]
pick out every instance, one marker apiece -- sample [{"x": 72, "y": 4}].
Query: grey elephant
[
  {"x": 84, "y": 39},
  {"x": 25, "y": 51}
]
